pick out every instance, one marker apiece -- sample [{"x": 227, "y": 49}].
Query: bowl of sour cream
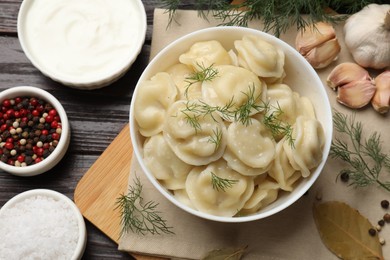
[{"x": 83, "y": 44}]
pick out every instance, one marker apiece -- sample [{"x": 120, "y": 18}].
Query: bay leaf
[
  {"x": 345, "y": 231},
  {"x": 225, "y": 254}
]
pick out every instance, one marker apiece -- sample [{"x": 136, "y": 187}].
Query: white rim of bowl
[
  {"x": 84, "y": 84},
  {"x": 63, "y": 142},
  {"x": 256, "y": 216},
  {"x": 82, "y": 239}
]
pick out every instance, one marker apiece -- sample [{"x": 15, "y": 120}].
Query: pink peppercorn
[
  {"x": 9, "y": 146},
  {"x": 6, "y": 103},
  {"x": 49, "y": 119},
  {"x": 35, "y": 112},
  {"x": 20, "y": 158},
  {"x": 53, "y": 112}
]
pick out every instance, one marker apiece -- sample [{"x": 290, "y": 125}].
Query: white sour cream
[{"x": 83, "y": 40}]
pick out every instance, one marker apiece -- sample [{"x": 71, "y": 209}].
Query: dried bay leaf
[
  {"x": 225, "y": 254},
  {"x": 345, "y": 231}
]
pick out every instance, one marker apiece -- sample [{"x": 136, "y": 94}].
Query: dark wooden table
[{"x": 96, "y": 117}]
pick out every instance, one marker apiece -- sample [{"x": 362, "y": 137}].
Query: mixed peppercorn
[{"x": 30, "y": 129}]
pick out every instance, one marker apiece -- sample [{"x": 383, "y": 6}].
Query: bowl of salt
[{"x": 41, "y": 224}]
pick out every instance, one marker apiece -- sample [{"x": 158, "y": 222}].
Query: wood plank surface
[{"x": 102, "y": 184}]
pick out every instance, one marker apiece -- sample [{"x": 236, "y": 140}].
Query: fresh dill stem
[
  {"x": 221, "y": 184},
  {"x": 275, "y": 125},
  {"x": 216, "y": 138},
  {"x": 365, "y": 156},
  {"x": 139, "y": 217},
  {"x": 277, "y": 16},
  {"x": 191, "y": 116},
  {"x": 242, "y": 114},
  {"x": 204, "y": 74}
]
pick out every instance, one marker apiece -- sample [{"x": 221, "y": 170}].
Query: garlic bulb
[
  {"x": 381, "y": 99},
  {"x": 354, "y": 85},
  {"x": 318, "y": 44},
  {"x": 367, "y": 36}
]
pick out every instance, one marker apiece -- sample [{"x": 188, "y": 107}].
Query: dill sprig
[
  {"x": 196, "y": 109},
  {"x": 364, "y": 156},
  {"x": 204, "y": 74},
  {"x": 275, "y": 125},
  {"x": 216, "y": 138},
  {"x": 221, "y": 184},
  {"x": 277, "y": 15},
  {"x": 140, "y": 217}
]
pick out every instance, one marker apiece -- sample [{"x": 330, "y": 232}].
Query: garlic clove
[
  {"x": 313, "y": 36},
  {"x": 381, "y": 99},
  {"x": 345, "y": 73},
  {"x": 356, "y": 94},
  {"x": 324, "y": 54}
]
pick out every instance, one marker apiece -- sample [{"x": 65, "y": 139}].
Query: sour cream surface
[{"x": 82, "y": 40}]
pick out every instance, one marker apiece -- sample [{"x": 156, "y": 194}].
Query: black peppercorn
[
  {"x": 381, "y": 222},
  {"x": 344, "y": 176},
  {"x": 385, "y": 204},
  {"x": 372, "y": 232}
]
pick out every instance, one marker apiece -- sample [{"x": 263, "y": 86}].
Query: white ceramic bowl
[
  {"x": 301, "y": 77},
  {"x": 82, "y": 232},
  {"x": 63, "y": 142},
  {"x": 84, "y": 45}
]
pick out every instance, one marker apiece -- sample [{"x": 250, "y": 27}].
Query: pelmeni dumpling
[
  {"x": 233, "y": 85},
  {"x": 308, "y": 138},
  {"x": 154, "y": 97},
  {"x": 182, "y": 196},
  {"x": 280, "y": 97},
  {"x": 188, "y": 89},
  {"x": 237, "y": 165},
  {"x": 282, "y": 170},
  {"x": 195, "y": 138},
  {"x": 287, "y": 104},
  {"x": 204, "y": 54},
  {"x": 265, "y": 193},
  {"x": 251, "y": 145},
  {"x": 305, "y": 107},
  {"x": 259, "y": 56},
  {"x": 164, "y": 164},
  {"x": 209, "y": 199}
]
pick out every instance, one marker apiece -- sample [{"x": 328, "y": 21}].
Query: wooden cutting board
[{"x": 98, "y": 190}]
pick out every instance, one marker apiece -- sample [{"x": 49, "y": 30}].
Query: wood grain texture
[
  {"x": 102, "y": 184},
  {"x": 96, "y": 118}
]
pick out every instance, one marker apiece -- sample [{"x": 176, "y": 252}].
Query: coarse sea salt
[{"x": 39, "y": 227}]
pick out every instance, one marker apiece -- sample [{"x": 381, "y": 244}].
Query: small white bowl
[
  {"x": 300, "y": 76},
  {"x": 82, "y": 231},
  {"x": 85, "y": 45},
  {"x": 63, "y": 142}
]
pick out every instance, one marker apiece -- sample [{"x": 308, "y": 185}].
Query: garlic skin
[
  {"x": 367, "y": 36},
  {"x": 318, "y": 44},
  {"x": 345, "y": 73},
  {"x": 355, "y": 88},
  {"x": 381, "y": 99},
  {"x": 356, "y": 94}
]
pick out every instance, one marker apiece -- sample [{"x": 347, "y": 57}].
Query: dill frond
[
  {"x": 204, "y": 74},
  {"x": 216, "y": 138},
  {"x": 140, "y": 217},
  {"x": 365, "y": 158},
  {"x": 277, "y": 127},
  {"x": 221, "y": 184},
  {"x": 277, "y": 16}
]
